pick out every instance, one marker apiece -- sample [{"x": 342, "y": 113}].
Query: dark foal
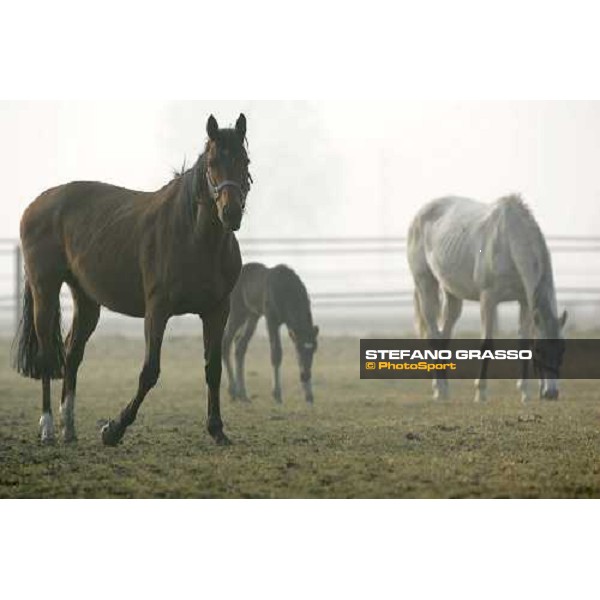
[
  {"x": 143, "y": 254},
  {"x": 280, "y": 296}
]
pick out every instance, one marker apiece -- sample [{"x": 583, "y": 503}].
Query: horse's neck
[
  {"x": 543, "y": 305},
  {"x": 206, "y": 230},
  {"x": 297, "y": 320}
]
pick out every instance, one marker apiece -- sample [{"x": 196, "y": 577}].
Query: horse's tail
[
  {"x": 421, "y": 273},
  {"x": 26, "y": 358}
]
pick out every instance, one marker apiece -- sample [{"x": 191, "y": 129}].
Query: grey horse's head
[{"x": 549, "y": 348}]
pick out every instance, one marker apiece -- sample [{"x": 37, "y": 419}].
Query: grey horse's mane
[{"x": 514, "y": 206}]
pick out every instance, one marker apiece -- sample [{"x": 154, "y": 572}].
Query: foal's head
[
  {"x": 227, "y": 176},
  {"x": 305, "y": 341}
]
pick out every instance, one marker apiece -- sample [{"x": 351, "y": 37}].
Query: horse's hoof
[
  {"x": 46, "y": 429},
  {"x": 310, "y": 400},
  {"x": 111, "y": 435},
  {"x": 69, "y": 437},
  {"x": 480, "y": 396},
  {"x": 222, "y": 440}
]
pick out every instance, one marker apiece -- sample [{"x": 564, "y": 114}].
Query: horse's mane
[{"x": 534, "y": 244}]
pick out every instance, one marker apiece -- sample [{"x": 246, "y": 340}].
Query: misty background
[{"x": 328, "y": 170}]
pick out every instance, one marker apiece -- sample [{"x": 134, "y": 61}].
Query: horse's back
[
  {"x": 249, "y": 291},
  {"x": 444, "y": 241},
  {"x": 466, "y": 244},
  {"x": 89, "y": 233},
  {"x": 53, "y": 210}
]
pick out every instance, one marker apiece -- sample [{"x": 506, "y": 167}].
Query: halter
[{"x": 215, "y": 190}]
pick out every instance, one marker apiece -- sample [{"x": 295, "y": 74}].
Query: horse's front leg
[
  {"x": 524, "y": 332},
  {"x": 155, "y": 322},
  {"x": 276, "y": 355},
  {"x": 488, "y": 318},
  {"x": 214, "y": 326}
]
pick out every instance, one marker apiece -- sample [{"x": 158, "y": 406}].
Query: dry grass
[{"x": 361, "y": 439}]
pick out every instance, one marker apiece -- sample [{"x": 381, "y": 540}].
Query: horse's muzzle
[
  {"x": 232, "y": 217},
  {"x": 549, "y": 395}
]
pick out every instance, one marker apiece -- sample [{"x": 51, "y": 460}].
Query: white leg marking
[
  {"x": 46, "y": 428},
  {"x": 481, "y": 390},
  {"x": 67, "y": 417}
]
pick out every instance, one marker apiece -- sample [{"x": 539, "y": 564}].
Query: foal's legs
[
  {"x": 488, "y": 320},
  {"x": 214, "y": 325},
  {"x": 235, "y": 321},
  {"x": 241, "y": 345},
  {"x": 524, "y": 333},
  {"x": 155, "y": 322},
  {"x": 276, "y": 355},
  {"x": 85, "y": 319}
]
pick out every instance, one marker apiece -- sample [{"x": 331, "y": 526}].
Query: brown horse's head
[{"x": 227, "y": 170}]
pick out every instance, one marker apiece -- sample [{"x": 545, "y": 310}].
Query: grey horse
[{"x": 460, "y": 249}]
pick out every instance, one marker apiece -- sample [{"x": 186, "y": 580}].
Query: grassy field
[{"x": 361, "y": 439}]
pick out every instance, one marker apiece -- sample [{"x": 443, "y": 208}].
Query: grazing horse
[
  {"x": 466, "y": 250},
  {"x": 142, "y": 254},
  {"x": 280, "y": 295}
]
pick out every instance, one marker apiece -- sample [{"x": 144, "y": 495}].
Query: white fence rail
[{"x": 347, "y": 274}]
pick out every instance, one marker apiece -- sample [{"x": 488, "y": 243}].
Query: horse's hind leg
[
  {"x": 451, "y": 311},
  {"x": 46, "y": 315},
  {"x": 427, "y": 306},
  {"x": 85, "y": 318},
  {"x": 241, "y": 346}
]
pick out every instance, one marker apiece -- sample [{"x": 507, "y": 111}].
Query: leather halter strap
[{"x": 215, "y": 190}]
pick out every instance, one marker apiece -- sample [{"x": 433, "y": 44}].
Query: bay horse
[
  {"x": 461, "y": 249},
  {"x": 278, "y": 294},
  {"x": 144, "y": 254}
]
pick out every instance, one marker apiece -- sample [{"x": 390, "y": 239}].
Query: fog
[
  {"x": 330, "y": 169},
  {"x": 321, "y": 168}
]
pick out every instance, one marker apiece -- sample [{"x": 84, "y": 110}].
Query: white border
[{"x": 438, "y": 50}]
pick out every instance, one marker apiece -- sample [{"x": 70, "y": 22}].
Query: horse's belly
[
  {"x": 457, "y": 281},
  {"x": 118, "y": 290}
]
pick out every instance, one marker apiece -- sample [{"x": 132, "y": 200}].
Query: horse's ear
[
  {"x": 212, "y": 128},
  {"x": 240, "y": 126},
  {"x": 563, "y": 319},
  {"x": 316, "y": 331}
]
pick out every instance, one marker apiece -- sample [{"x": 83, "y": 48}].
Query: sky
[{"x": 321, "y": 168}]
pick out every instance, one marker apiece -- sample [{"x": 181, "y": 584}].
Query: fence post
[{"x": 18, "y": 286}]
